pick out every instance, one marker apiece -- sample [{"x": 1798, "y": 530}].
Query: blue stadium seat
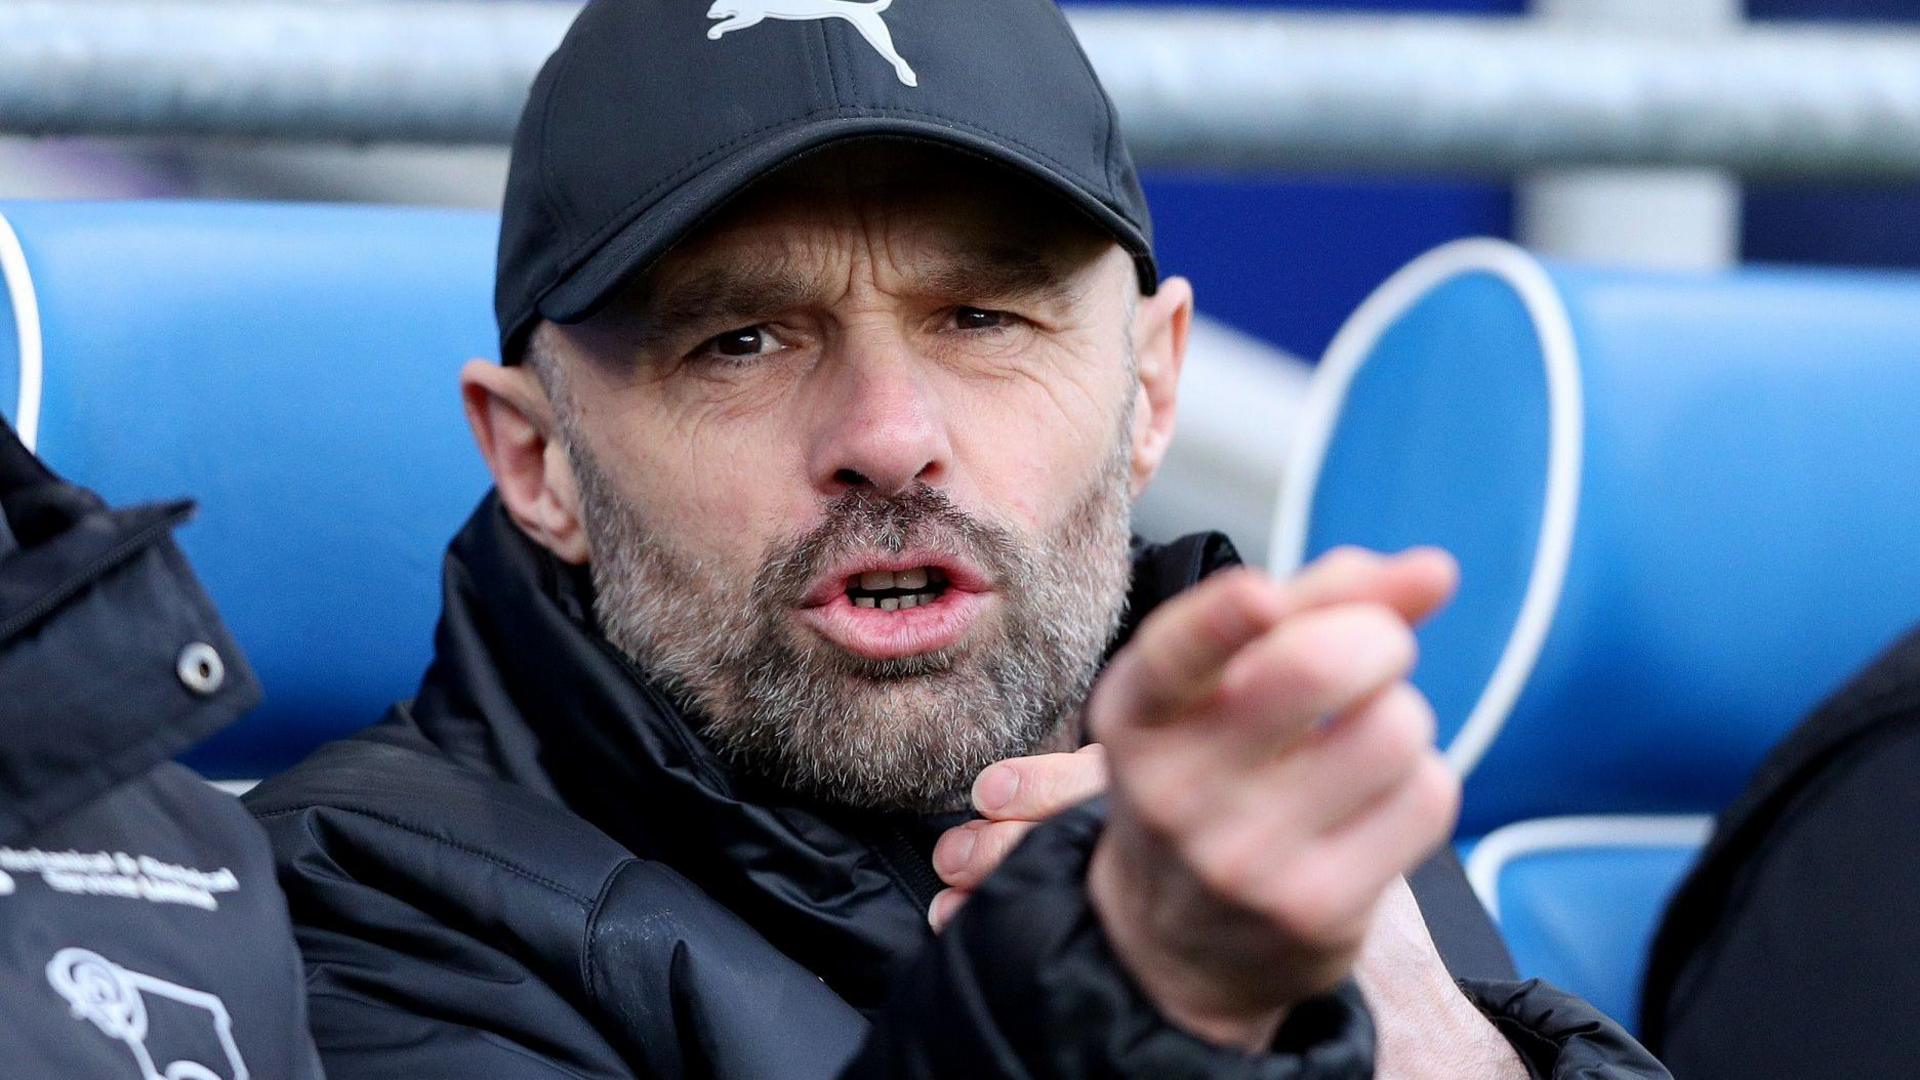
[
  {"x": 1684, "y": 506},
  {"x": 294, "y": 369},
  {"x": 1578, "y": 898}
]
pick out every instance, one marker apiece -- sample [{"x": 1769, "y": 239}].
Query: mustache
[{"x": 861, "y": 522}]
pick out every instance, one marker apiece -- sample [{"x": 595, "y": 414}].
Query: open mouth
[
  {"x": 887, "y": 607},
  {"x": 897, "y": 590}
]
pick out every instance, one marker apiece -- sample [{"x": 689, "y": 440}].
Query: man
[{"x": 835, "y": 357}]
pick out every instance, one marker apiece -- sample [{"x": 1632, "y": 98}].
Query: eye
[
  {"x": 973, "y": 318},
  {"x": 740, "y": 344}
]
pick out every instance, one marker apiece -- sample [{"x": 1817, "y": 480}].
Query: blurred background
[
  {"x": 1281, "y": 255},
  {"x": 1280, "y": 246}
]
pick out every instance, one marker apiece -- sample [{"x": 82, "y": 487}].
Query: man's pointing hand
[
  {"x": 1272, "y": 774},
  {"x": 1015, "y": 795}
]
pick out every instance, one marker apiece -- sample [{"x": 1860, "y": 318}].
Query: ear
[
  {"x": 1160, "y": 325},
  {"x": 513, "y": 422}
]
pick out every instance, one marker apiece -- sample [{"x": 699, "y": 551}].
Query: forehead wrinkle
[
  {"x": 961, "y": 242},
  {"x": 765, "y": 279},
  {"x": 722, "y": 293},
  {"x": 1001, "y": 272}
]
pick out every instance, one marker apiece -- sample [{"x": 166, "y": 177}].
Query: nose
[{"x": 882, "y": 428}]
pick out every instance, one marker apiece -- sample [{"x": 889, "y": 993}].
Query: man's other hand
[
  {"x": 1012, "y": 797},
  {"x": 1272, "y": 775}
]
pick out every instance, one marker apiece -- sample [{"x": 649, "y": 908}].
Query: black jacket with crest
[
  {"x": 536, "y": 869},
  {"x": 141, "y": 934}
]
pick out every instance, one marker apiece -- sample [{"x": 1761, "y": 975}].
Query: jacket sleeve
[
  {"x": 1555, "y": 1033},
  {"x": 1023, "y": 984},
  {"x": 1560, "y": 1037},
  {"x": 665, "y": 984},
  {"x": 438, "y": 950},
  {"x": 402, "y": 986}
]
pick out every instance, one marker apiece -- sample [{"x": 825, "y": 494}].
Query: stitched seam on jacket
[
  {"x": 581, "y": 899},
  {"x": 593, "y": 923}
]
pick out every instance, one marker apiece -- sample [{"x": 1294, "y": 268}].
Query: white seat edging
[
  {"x": 1522, "y": 838},
  {"x": 26, "y": 326},
  {"x": 1560, "y": 357}
]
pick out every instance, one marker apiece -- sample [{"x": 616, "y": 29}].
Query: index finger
[
  {"x": 1176, "y": 657},
  {"x": 1414, "y": 583}
]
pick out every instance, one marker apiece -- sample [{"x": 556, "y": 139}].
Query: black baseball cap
[{"x": 652, "y": 114}]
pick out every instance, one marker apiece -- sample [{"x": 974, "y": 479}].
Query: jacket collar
[
  {"x": 525, "y": 688},
  {"x": 94, "y": 606}
]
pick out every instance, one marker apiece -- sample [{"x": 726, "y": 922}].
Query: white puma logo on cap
[{"x": 740, "y": 14}]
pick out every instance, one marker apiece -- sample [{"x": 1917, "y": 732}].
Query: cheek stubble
[{"x": 908, "y": 734}]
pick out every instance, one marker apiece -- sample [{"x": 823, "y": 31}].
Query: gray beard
[{"x": 910, "y": 734}]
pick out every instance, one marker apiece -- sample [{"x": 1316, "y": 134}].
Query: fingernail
[
  {"x": 995, "y": 788},
  {"x": 942, "y": 907},
  {"x": 953, "y": 852}
]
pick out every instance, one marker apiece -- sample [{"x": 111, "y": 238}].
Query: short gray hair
[{"x": 541, "y": 355}]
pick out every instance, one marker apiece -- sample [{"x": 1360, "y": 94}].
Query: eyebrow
[
  {"x": 724, "y": 295},
  {"x": 720, "y": 295},
  {"x": 1001, "y": 272}
]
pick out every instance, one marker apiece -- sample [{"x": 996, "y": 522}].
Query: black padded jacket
[{"x": 536, "y": 869}]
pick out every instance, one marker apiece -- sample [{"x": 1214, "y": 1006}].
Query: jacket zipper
[{"x": 909, "y": 867}]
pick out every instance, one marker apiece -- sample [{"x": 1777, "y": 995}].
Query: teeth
[{"x": 918, "y": 586}]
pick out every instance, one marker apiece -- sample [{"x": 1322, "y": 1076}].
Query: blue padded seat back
[
  {"x": 1581, "y": 911},
  {"x": 1743, "y": 506},
  {"x": 293, "y": 368}
]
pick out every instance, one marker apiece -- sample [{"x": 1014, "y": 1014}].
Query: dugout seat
[
  {"x": 293, "y": 368},
  {"x": 1684, "y": 506},
  {"x": 1579, "y": 898}
]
